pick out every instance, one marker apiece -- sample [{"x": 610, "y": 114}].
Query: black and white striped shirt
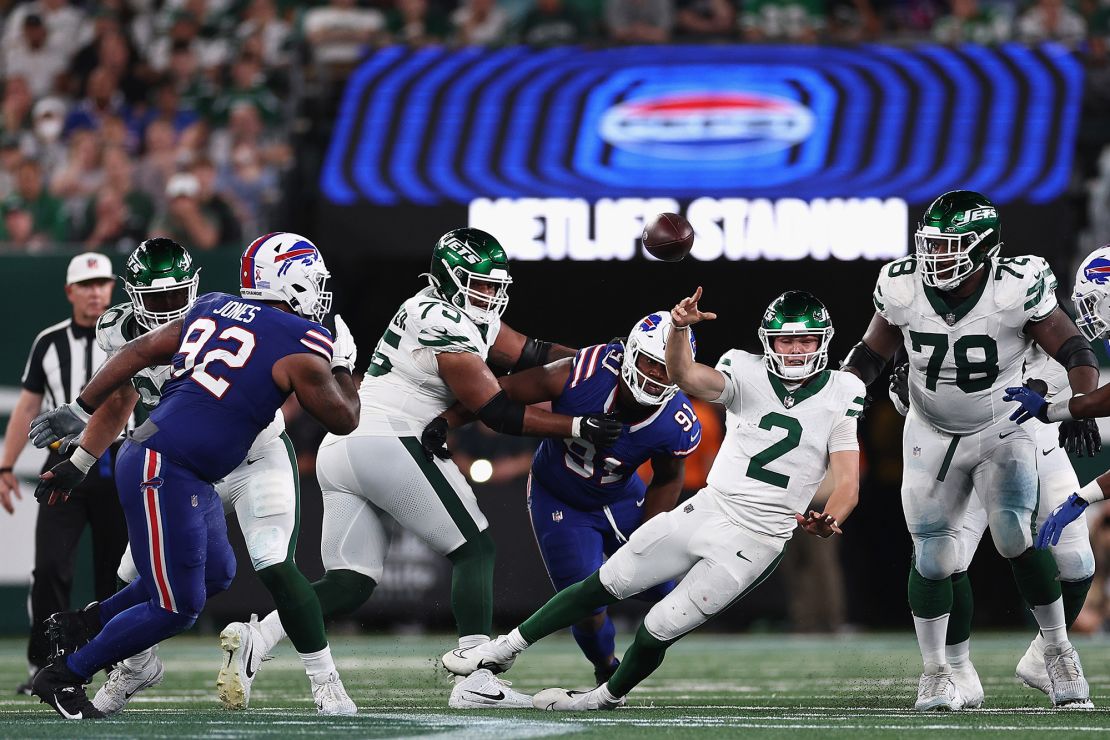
[{"x": 63, "y": 358}]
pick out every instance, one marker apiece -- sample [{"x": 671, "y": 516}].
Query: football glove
[
  {"x": 1032, "y": 405},
  {"x": 1061, "y": 516},
  {"x": 900, "y": 388},
  {"x": 58, "y": 483},
  {"x": 601, "y": 430},
  {"x": 434, "y": 440},
  {"x": 1080, "y": 437},
  {"x": 57, "y": 424},
  {"x": 343, "y": 351}
]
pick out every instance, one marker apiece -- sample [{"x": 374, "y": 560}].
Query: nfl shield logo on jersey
[
  {"x": 950, "y": 319},
  {"x": 556, "y": 516},
  {"x": 194, "y": 501},
  {"x": 788, "y": 401}
]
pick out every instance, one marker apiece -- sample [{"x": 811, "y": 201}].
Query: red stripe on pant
[{"x": 154, "y": 525}]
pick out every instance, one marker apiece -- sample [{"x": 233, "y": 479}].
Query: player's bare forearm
[
  {"x": 844, "y": 467},
  {"x": 1091, "y": 406},
  {"x": 694, "y": 378},
  {"x": 666, "y": 485},
  {"x": 537, "y": 384},
  {"x": 331, "y": 397},
  {"x": 540, "y": 423},
  {"x": 1083, "y": 379},
  {"x": 1058, "y": 336},
  {"x": 458, "y": 416},
  {"x": 156, "y": 348},
  {"x": 109, "y": 420},
  {"x": 868, "y": 358},
  {"x": 27, "y": 407}
]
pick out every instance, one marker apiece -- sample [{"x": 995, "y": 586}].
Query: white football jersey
[
  {"x": 963, "y": 356},
  {"x": 402, "y": 390},
  {"x": 1039, "y": 365},
  {"x": 777, "y": 441},
  {"x": 116, "y": 327}
]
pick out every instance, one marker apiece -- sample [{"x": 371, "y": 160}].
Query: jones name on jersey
[
  {"x": 962, "y": 353},
  {"x": 402, "y": 390},
  {"x": 777, "y": 440}
]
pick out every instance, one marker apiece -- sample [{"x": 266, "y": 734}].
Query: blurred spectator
[
  {"x": 245, "y": 127},
  {"x": 415, "y": 23},
  {"x": 783, "y": 20},
  {"x": 47, "y": 214},
  {"x": 184, "y": 33},
  {"x": 102, "y": 99},
  {"x": 339, "y": 33},
  {"x": 119, "y": 211},
  {"x": 248, "y": 85},
  {"x": 479, "y": 23},
  {"x": 970, "y": 22},
  {"x": 253, "y": 186},
  {"x": 1051, "y": 20},
  {"x": 261, "y": 20},
  {"x": 639, "y": 21},
  {"x": 159, "y": 160},
  {"x": 15, "y": 109},
  {"x": 63, "y": 22},
  {"x": 230, "y": 230},
  {"x": 194, "y": 89},
  {"x": 705, "y": 19},
  {"x": 110, "y": 224},
  {"x": 914, "y": 16},
  {"x": 185, "y": 220},
  {"x": 852, "y": 21},
  {"x": 80, "y": 174},
  {"x": 33, "y": 57},
  {"x": 17, "y": 230},
  {"x": 552, "y": 23},
  {"x": 47, "y": 121},
  {"x": 166, "y": 104},
  {"x": 10, "y": 157}
]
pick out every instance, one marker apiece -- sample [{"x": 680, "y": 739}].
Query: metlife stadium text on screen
[{"x": 725, "y": 228}]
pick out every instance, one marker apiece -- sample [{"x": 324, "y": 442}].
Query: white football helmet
[
  {"x": 289, "y": 268},
  {"x": 1092, "y": 295},
  {"x": 649, "y": 337}
]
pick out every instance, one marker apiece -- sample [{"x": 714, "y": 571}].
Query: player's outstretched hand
[
  {"x": 601, "y": 430},
  {"x": 818, "y": 524},
  {"x": 344, "y": 350},
  {"x": 1080, "y": 437},
  {"x": 58, "y": 482},
  {"x": 900, "y": 388},
  {"x": 1032, "y": 405},
  {"x": 57, "y": 424},
  {"x": 686, "y": 312},
  {"x": 434, "y": 440},
  {"x": 1061, "y": 516}
]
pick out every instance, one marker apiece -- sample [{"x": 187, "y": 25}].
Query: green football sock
[
  {"x": 472, "y": 585},
  {"x": 342, "y": 591},
  {"x": 928, "y": 598},
  {"x": 297, "y": 606},
  {"x": 1075, "y": 595},
  {"x": 567, "y": 607},
  {"x": 963, "y": 606},
  {"x": 639, "y": 661},
  {"x": 1035, "y": 574}
]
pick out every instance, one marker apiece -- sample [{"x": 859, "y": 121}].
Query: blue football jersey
[
  {"x": 588, "y": 478},
  {"x": 221, "y": 393}
]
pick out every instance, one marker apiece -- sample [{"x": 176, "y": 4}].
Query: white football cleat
[
  {"x": 495, "y": 656},
  {"x": 1031, "y": 669},
  {"x": 124, "y": 682},
  {"x": 1069, "y": 688},
  {"x": 936, "y": 691},
  {"x": 562, "y": 700},
  {"x": 331, "y": 697},
  {"x": 967, "y": 683},
  {"x": 233, "y": 684},
  {"x": 482, "y": 690}
]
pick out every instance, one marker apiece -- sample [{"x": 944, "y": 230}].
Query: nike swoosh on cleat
[
  {"x": 497, "y": 697},
  {"x": 62, "y": 710},
  {"x": 1004, "y": 435},
  {"x": 250, "y": 660}
]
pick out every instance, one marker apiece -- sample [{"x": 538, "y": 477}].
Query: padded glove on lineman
[
  {"x": 57, "y": 424},
  {"x": 601, "y": 430},
  {"x": 343, "y": 349},
  {"x": 1080, "y": 437},
  {"x": 434, "y": 440},
  {"x": 1062, "y": 516},
  {"x": 58, "y": 483}
]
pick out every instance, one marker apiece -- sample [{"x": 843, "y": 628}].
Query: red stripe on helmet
[{"x": 246, "y": 274}]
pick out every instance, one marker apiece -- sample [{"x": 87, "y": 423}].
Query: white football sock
[
  {"x": 469, "y": 641},
  {"x": 319, "y": 662},
  {"x": 1050, "y": 618},
  {"x": 139, "y": 660},
  {"x": 930, "y": 638},
  {"x": 958, "y": 655},
  {"x": 271, "y": 630},
  {"x": 516, "y": 641},
  {"x": 606, "y": 695}
]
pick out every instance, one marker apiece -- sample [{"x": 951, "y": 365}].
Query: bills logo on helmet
[
  {"x": 302, "y": 252},
  {"x": 650, "y": 322},
  {"x": 1097, "y": 270}
]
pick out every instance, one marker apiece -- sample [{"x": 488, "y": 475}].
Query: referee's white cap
[{"x": 89, "y": 266}]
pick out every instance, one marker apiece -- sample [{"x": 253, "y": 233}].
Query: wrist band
[
  {"x": 1059, "y": 411},
  {"x": 5, "y": 469},
  {"x": 1091, "y": 492},
  {"x": 676, "y": 327},
  {"x": 82, "y": 410},
  {"x": 82, "y": 459},
  {"x": 576, "y": 427}
]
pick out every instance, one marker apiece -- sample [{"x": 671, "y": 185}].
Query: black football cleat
[
  {"x": 64, "y": 690},
  {"x": 68, "y": 631}
]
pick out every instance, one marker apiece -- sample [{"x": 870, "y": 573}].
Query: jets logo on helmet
[
  {"x": 470, "y": 270},
  {"x": 161, "y": 281},
  {"x": 649, "y": 339},
  {"x": 958, "y": 234},
  {"x": 799, "y": 314},
  {"x": 1092, "y": 295},
  {"x": 288, "y": 268}
]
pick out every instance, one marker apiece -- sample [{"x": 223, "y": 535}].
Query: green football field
[{"x": 761, "y": 686}]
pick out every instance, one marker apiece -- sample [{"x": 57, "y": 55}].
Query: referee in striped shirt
[{"x": 63, "y": 358}]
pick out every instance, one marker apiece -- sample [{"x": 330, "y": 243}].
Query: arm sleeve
[
  {"x": 34, "y": 379},
  {"x": 843, "y": 437}
]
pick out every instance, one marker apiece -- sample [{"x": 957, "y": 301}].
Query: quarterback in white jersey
[
  {"x": 966, "y": 319},
  {"x": 263, "y": 492},
  {"x": 790, "y": 424},
  {"x": 433, "y": 353}
]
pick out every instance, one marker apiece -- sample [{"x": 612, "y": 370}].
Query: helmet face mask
[
  {"x": 648, "y": 340},
  {"x": 796, "y": 313},
  {"x": 471, "y": 272},
  {"x": 286, "y": 268},
  {"x": 1092, "y": 295},
  {"x": 958, "y": 234},
  {"x": 160, "y": 281}
]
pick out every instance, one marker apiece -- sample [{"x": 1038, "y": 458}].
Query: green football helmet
[
  {"x": 161, "y": 281},
  {"x": 796, "y": 313},
  {"x": 471, "y": 272},
  {"x": 959, "y": 232}
]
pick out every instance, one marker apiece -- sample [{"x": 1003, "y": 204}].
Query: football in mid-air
[{"x": 668, "y": 237}]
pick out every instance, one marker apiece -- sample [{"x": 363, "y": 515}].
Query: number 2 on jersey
[
  {"x": 757, "y": 467},
  {"x": 196, "y": 336}
]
